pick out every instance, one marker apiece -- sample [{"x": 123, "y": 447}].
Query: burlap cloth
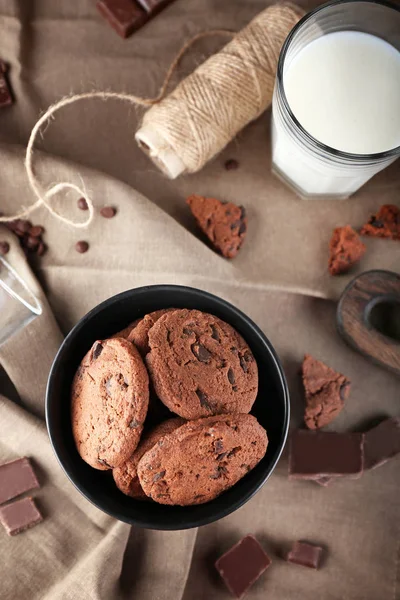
[{"x": 279, "y": 279}]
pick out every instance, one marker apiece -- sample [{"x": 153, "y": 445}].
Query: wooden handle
[{"x": 368, "y": 317}]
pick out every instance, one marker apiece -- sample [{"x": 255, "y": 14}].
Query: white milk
[{"x": 344, "y": 89}]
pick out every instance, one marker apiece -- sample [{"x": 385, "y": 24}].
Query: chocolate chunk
[
  {"x": 218, "y": 446},
  {"x": 243, "y": 364},
  {"x": 382, "y": 443},
  {"x": 231, "y": 164},
  {"x": 19, "y": 516},
  {"x": 158, "y": 476},
  {"x": 316, "y": 454},
  {"x": 153, "y": 6},
  {"x": 377, "y": 223},
  {"x": 124, "y": 16},
  {"x": 201, "y": 353},
  {"x": 231, "y": 376},
  {"x": 242, "y": 565},
  {"x": 5, "y": 91},
  {"x": 305, "y": 554},
  {"x": 108, "y": 212},
  {"x": 204, "y": 402},
  {"x": 215, "y": 334},
  {"x": 81, "y": 247},
  {"x": 98, "y": 349},
  {"x": 82, "y": 204},
  {"x": 16, "y": 477},
  {"x": 4, "y": 248}
]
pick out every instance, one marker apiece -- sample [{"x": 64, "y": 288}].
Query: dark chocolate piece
[
  {"x": 124, "y": 16},
  {"x": 316, "y": 454},
  {"x": 16, "y": 477},
  {"x": 81, "y": 247},
  {"x": 153, "y": 6},
  {"x": 305, "y": 554},
  {"x": 242, "y": 565},
  {"x": 20, "y": 515},
  {"x": 382, "y": 443},
  {"x": 5, "y": 91}
]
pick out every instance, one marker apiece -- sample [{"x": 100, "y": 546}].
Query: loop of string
[{"x": 44, "y": 197}]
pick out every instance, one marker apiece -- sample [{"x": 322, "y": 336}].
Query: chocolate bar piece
[
  {"x": 153, "y": 6},
  {"x": 20, "y": 515},
  {"x": 382, "y": 443},
  {"x": 242, "y": 565},
  {"x": 316, "y": 454},
  {"x": 5, "y": 91},
  {"x": 124, "y": 16},
  {"x": 16, "y": 477},
  {"x": 305, "y": 554}
]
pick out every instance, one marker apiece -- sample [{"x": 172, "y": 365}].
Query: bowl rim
[{"x": 222, "y": 511}]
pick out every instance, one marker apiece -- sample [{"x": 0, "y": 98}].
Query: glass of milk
[{"x": 336, "y": 103}]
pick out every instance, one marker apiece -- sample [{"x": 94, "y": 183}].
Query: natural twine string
[{"x": 204, "y": 112}]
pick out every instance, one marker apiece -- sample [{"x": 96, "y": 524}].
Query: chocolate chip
[
  {"x": 187, "y": 331},
  {"x": 103, "y": 462},
  {"x": 376, "y": 223},
  {"x": 97, "y": 350},
  {"x": 214, "y": 333},
  {"x": 234, "y": 451},
  {"x": 4, "y": 248},
  {"x": 204, "y": 402},
  {"x": 243, "y": 364},
  {"x": 82, "y": 204},
  {"x": 231, "y": 164},
  {"x": 234, "y": 350},
  {"x": 31, "y": 243},
  {"x": 81, "y": 247},
  {"x": 108, "y": 212},
  {"x": 218, "y": 446},
  {"x": 221, "y": 456},
  {"x": 231, "y": 376},
  {"x": 201, "y": 353},
  {"x": 158, "y": 476},
  {"x": 41, "y": 249},
  {"x": 36, "y": 231},
  {"x": 220, "y": 472}
]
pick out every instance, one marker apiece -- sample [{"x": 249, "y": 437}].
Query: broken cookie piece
[
  {"x": 385, "y": 224},
  {"x": 224, "y": 223},
  {"x": 325, "y": 392},
  {"x": 346, "y": 249}
]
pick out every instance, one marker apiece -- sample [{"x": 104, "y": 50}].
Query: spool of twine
[
  {"x": 230, "y": 89},
  {"x": 183, "y": 131}
]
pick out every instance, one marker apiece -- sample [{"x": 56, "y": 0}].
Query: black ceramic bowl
[{"x": 271, "y": 407}]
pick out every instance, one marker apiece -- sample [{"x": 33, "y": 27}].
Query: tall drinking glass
[
  {"x": 314, "y": 149},
  {"x": 18, "y": 305}
]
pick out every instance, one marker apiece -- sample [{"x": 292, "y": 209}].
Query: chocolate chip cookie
[
  {"x": 126, "y": 476},
  {"x": 139, "y": 334},
  {"x": 201, "y": 366},
  {"x": 200, "y": 460},
  {"x": 109, "y": 400}
]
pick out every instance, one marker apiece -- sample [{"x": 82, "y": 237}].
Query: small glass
[
  {"x": 309, "y": 167},
  {"x": 18, "y": 305}
]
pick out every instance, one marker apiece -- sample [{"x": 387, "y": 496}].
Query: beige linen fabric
[{"x": 279, "y": 279}]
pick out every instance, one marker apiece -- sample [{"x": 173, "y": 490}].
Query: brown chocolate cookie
[
  {"x": 126, "y": 476},
  {"x": 345, "y": 250},
  {"x": 224, "y": 223},
  {"x": 139, "y": 334},
  {"x": 202, "y": 459},
  {"x": 201, "y": 366},
  {"x": 325, "y": 392},
  {"x": 109, "y": 399}
]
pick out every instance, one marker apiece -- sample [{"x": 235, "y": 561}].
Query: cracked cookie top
[{"x": 200, "y": 366}]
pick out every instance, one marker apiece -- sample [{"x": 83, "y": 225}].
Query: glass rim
[
  {"x": 393, "y": 152},
  {"x": 35, "y": 307}
]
